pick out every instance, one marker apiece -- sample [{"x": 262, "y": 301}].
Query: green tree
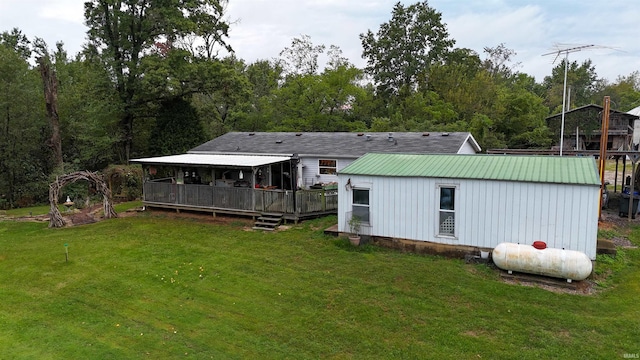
[
  {"x": 624, "y": 92},
  {"x": 582, "y": 81},
  {"x": 498, "y": 62},
  {"x": 177, "y": 129},
  {"x": 25, "y": 162},
  {"x": 123, "y": 32},
  {"x": 17, "y": 41},
  {"x": 522, "y": 121},
  {"x": 400, "y": 54},
  {"x": 302, "y": 57},
  {"x": 89, "y": 108}
]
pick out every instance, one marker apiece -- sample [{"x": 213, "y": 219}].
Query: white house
[
  {"x": 292, "y": 174},
  {"x": 460, "y": 203},
  {"x": 323, "y": 154}
]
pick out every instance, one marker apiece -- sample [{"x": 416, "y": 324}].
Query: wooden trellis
[{"x": 56, "y": 219}]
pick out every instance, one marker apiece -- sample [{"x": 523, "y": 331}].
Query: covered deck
[{"x": 246, "y": 185}]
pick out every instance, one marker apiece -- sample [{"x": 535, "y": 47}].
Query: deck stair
[{"x": 268, "y": 221}]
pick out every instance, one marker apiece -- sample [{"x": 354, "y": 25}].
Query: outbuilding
[{"x": 460, "y": 204}]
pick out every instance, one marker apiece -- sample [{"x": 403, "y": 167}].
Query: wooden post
[
  {"x": 631, "y": 192},
  {"x": 604, "y": 140}
]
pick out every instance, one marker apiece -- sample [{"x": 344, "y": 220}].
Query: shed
[
  {"x": 583, "y": 126},
  {"x": 467, "y": 203}
]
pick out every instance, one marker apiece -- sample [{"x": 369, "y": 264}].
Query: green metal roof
[{"x": 544, "y": 169}]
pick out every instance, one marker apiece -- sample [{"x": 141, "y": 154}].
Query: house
[
  {"x": 293, "y": 174},
  {"x": 583, "y": 126},
  {"x": 323, "y": 154},
  {"x": 460, "y": 204}
]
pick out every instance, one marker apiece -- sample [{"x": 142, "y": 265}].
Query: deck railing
[{"x": 242, "y": 198}]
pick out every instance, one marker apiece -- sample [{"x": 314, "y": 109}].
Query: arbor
[
  {"x": 400, "y": 53},
  {"x": 123, "y": 32}
]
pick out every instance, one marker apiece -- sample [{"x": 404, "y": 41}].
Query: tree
[
  {"x": 582, "y": 82},
  {"x": 497, "y": 61},
  {"x": 89, "y": 108},
  {"x": 400, "y": 53},
  {"x": 17, "y": 41},
  {"x": 177, "y": 129},
  {"x": 25, "y": 161},
  {"x": 302, "y": 57},
  {"x": 50, "y": 85},
  {"x": 124, "y": 32},
  {"x": 624, "y": 92}
]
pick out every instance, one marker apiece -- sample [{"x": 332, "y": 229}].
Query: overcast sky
[{"x": 262, "y": 28}]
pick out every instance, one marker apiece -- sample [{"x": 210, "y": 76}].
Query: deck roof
[{"x": 213, "y": 160}]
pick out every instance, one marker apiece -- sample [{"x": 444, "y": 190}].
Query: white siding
[
  {"x": 311, "y": 168},
  {"x": 466, "y": 148},
  {"x": 487, "y": 212}
]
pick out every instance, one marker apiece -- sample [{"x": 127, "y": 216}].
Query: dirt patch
[{"x": 584, "y": 287}]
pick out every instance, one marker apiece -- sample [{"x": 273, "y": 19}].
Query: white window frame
[
  {"x": 368, "y": 206},
  {"x": 439, "y": 210},
  {"x": 332, "y": 170}
]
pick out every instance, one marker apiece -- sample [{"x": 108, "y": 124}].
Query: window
[
  {"x": 327, "y": 167},
  {"x": 447, "y": 213},
  {"x": 360, "y": 207}
]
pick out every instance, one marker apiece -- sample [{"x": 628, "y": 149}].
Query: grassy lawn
[
  {"x": 152, "y": 286},
  {"x": 44, "y": 209}
]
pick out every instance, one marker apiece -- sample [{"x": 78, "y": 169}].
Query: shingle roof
[
  {"x": 542, "y": 169},
  {"x": 337, "y": 144}
]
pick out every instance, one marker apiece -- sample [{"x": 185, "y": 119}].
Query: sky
[{"x": 261, "y": 29}]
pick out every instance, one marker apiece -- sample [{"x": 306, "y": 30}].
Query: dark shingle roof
[{"x": 344, "y": 144}]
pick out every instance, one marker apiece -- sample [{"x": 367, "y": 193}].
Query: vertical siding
[{"x": 488, "y": 212}]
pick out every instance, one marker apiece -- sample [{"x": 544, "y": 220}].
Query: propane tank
[{"x": 566, "y": 264}]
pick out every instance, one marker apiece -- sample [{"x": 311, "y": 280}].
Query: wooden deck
[{"x": 241, "y": 200}]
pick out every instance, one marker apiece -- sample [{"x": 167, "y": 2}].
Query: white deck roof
[{"x": 213, "y": 160}]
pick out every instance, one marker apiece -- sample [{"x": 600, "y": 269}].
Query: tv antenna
[{"x": 566, "y": 49}]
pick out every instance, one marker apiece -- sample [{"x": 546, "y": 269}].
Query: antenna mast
[{"x": 566, "y": 50}]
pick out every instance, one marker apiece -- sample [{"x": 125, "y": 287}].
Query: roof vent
[
  {"x": 368, "y": 137},
  {"x": 445, "y": 134},
  {"x": 251, "y": 134},
  {"x": 425, "y": 134},
  {"x": 390, "y": 138},
  {"x": 278, "y": 141},
  {"x": 298, "y": 134}
]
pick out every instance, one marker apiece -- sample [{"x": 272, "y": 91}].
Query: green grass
[
  {"x": 156, "y": 287},
  {"x": 44, "y": 209}
]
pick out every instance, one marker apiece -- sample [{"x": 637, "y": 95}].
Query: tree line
[{"x": 150, "y": 81}]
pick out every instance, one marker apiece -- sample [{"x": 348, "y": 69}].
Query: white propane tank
[{"x": 566, "y": 264}]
